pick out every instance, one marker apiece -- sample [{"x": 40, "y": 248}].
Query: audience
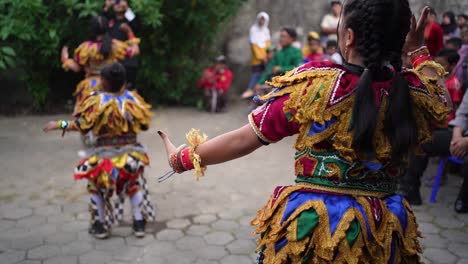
[
  {"x": 461, "y": 70},
  {"x": 449, "y": 25},
  {"x": 332, "y": 52},
  {"x": 215, "y": 83},
  {"x": 313, "y": 50},
  {"x": 329, "y": 25},
  {"x": 433, "y": 34}
]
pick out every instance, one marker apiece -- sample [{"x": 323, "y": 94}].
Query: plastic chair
[{"x": 440, "y": 174}]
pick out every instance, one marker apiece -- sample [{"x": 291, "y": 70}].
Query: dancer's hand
[
  {"x": 170, "y": 148},
  {"x": 52, "y": 125},
  {"x": 125, "y": 28},
  {"x": 64, "y": 53},
  {"x": 415, "y": 37}
]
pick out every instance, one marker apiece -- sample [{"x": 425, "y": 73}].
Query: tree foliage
[{"x": 176, "y": 40}]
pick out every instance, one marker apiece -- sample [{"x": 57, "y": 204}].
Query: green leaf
[
  {"x": 2, "y": 65},
  {"x": 8, "y": 51},
  {"x": 9, "y": 61}
]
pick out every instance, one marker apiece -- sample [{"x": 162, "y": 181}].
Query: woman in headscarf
[{"x": 260, "y": 41}]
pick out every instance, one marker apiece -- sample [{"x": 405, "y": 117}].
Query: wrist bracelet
[{"x": 422, "y": 49}]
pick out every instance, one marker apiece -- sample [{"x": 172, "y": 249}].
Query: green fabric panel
[
  {"x": 353, "y": 232},
  {"x": 306, "y": 222}
]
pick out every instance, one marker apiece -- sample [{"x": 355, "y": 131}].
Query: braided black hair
[
  {"x": 380, "y": 28},
  {"x": 115, "y": 75},
  {"x": 100, "y": 26}
]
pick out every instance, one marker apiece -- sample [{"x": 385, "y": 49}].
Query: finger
[
  {"x": 423, "y": 18},
  {"x": 170, "y": 148},
  {"x": 413, "y": 23}
]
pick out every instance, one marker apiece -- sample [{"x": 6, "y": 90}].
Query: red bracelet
[
  {"x": 420, "y": 59},
  {"x": 185, "y": 159}
]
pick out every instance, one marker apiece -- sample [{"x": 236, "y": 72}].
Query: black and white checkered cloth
[{"x": 108, "y": 216}]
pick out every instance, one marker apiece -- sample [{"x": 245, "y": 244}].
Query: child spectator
[
  {"x": 215, "y": 83},
  {"x": 332, "y": 52},
  {"x": 313, "y": 50},
  {"x": 454, "y": 43},
  {"x": 462, "y": 21}
]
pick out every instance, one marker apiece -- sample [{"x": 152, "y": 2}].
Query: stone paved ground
[{"x": 44, "y": 219}]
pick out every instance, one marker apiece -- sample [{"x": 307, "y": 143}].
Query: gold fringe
[
  {"x": 195, "y": 139},
  {"x": 324, "y": 244}
]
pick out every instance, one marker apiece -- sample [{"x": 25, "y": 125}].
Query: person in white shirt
[{"x": 330, "y": 21}]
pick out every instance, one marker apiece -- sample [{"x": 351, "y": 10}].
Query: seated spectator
[
  {"x": 313, "y": 50},
  {"x": 329, "y": 24},
  {"x": 285, "y": 59},
  {"x": 454, "y": 43},
  {"x": 462, "y": 21},
  {"x": 332, "y": 52},
  {"x": 449, "y": 26},
  {"x": 433, "y": 34},
  {"x": 215, "y": 82},
  {"x": 449, "y": 58}
]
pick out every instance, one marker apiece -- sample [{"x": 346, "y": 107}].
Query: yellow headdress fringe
[{"x": 195, "y": 139}]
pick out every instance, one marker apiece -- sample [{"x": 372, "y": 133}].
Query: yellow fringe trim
[
  {"x": 324, "y": 244},
  {"x": 195, "y": 139},
  {"x": 109, "y": 119},
  {"x": 88, "y": 52}
]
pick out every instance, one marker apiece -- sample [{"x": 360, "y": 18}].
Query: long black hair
[
  {"x": 452, "y": 26},
  {"x": 115, "y": 75},
  {"x": 100, "y": 27},
  {"x": 380, "y": 28}
]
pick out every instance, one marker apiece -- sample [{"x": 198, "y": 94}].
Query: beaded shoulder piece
[{"x": 114, "y": 114}]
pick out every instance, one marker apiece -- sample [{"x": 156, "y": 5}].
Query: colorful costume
[
  {"x": 343, "y": 207},
  {"x": 117, "y": 161},
  {"x": 87, "y": 55}
]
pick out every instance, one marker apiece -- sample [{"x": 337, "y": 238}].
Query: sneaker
[
  {"x": 461, "y": 207},
  {"x": 139, "y": 228},
  {"x": 98, "y": 230},
  {"x": 247, "y": 94}
]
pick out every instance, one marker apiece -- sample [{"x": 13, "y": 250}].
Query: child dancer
[{"x": 116, "y": 162}]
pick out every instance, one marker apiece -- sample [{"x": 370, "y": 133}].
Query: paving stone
[
  {"x": 169, "y": 234},
  {"x": 244, "y": 232},
  {"x": 129, "y": 254},
  {"x": 17, "y": 213},
  {"x": 96, "y": 257},
  {"x": 85, "y": 236},
  {"x": 111, "y": 244},
  {"x": 225, "y": 225},
  {"x": 245, "y": 220},
  {"x": 150, "y": 259},
  {"x": 197, "y": 230},
  {"x": 205, "y": 261},
  {"x": 241, "y": 246},
  {"x": 48, "y": 210},
  {"x": 424, "y": 217},
  {"x": 434, "y": 241},
  {"x": 30, "y": 262},
  {"x": 75, "y": 208},
  {"x": 204, "y": 219},
  {"x": 26, "y": 242},
  {"x": 6, "y": 224},
  {"x": 463, "y": 261},
  {"x": 211, "y": 252},
  {"x": 61, "y": 238},
  {"x": 438, "y": 255},
  {"x": 446, "y": 222},
  {"x": 62, "y": 260},
  {"x": 61, "y": 218},
  {"x": 75, "y": 226},
  {"x": 218, "y": 238},
  {"x": 455, "y": 236},
  {"x": 135, "y": 241},
  {"x": 459, "y": 249},
  {"x": 44, "y": 252},
  {"x": 178, "y": 223},
  {"x": 16, "y": 233},
  {"x": 11, "y": 256},
  {"x": 235, "y": 259},
  {"x": 428, "y": 228},
  {"x": 190, "y": 243},
  {"x": 180, "y": 258},
  {"x": 160, "y": 248},
  {"x": 31, "y": 221},
  {"x": 122, "y": 231},
  {"x": 77, "y": 248},
  {"x": 231, "y": 214}
]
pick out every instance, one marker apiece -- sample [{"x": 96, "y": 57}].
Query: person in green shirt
[{"x": 285, "y": 59}]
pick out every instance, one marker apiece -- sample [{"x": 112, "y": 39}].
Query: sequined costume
[
  {"x": 343, "y": 207},
  {"x": 116, "y": 162},
  {"x": 87, "y": 55}
]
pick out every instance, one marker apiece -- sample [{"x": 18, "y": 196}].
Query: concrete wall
[{"x": 305, "y": 15}]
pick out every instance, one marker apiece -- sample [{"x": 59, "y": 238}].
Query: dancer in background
[
  {"x": 260, "y": 41},
  {"x": 99, "y": 50},
  {"x": 116, "y": 163},
  {"x": 356, "y": 124}
]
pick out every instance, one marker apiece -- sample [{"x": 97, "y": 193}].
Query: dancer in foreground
[
  {"x": 100, "y": 50},
  {"x": 356, "y": 124},
  {"x": 116, "y": 162}
]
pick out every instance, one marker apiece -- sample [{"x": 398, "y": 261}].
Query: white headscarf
[{"x": 260, "y": 35}]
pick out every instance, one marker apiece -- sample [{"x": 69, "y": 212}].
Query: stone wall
[{"x": 305, "y": 15}]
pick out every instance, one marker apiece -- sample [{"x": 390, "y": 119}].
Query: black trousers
[{"x": 439, "y": 146}]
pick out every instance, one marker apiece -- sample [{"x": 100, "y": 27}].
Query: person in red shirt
[
  {"x": 433, "y": 34},
  {"x": 449, "y": 58},
  {"x": 215, "y": 82}
]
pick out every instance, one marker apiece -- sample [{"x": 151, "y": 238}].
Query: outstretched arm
[
  {"x": 229, "y": 146},
  {"x": 61, "y": 125}
]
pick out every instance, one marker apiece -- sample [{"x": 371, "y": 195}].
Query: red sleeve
[
  {"x": 224, "y": 81},
  {"x": 270, "y": 122},
  {"x": 204, "y": 82}
]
